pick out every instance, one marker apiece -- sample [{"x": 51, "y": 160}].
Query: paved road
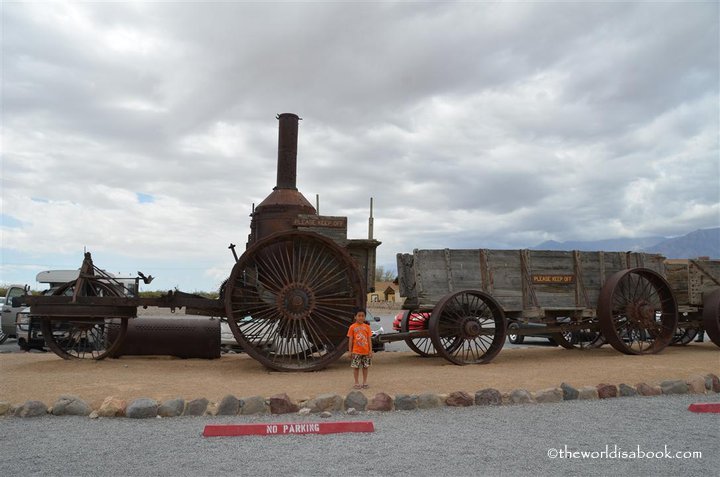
[{"x": 511, "y": 440}]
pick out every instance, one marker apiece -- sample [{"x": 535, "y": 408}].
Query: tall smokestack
[{"x": 287, "y": 151}]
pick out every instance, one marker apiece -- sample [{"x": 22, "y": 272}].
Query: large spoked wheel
[
  {"x": 474, "y": 321},
  {"x": 585, "y": 338},
  {"x": 711, "y": 316},
  {"x": 637, "y": 311},
  {"x": 421, "y": 346},
  {"x": 84, "y": 337},
  {"x": 683, "y": 335},
  {"x": 290, "y": 300}
]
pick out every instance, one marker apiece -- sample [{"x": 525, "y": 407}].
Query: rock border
[{"x": 355, "y": 402}]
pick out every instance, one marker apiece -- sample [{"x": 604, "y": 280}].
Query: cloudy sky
[{"x": 145, "y": 132}]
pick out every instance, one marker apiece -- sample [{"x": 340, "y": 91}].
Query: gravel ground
[{"x": 510, "y": 440}]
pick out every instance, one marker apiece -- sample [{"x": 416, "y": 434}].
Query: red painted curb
[
  {"x": 705, "y": 407},
  {"x": 274, "y": 429}
]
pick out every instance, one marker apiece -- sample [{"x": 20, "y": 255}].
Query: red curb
[
  {"x": 705, "y": 407},
  {"x": 273, "y": 429}
]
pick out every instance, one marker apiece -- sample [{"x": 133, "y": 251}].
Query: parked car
[
  {"x": 377, "y": 329},
  {"x": 228, "y": 341},
  {"x": 519, "y": 339},
  {"x": 29, "y": 331},
  {"x": 9, "y": 312},
  {"x": 417, "y": 321}
]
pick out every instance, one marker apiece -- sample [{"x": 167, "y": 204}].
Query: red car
[{"x": 417, "y": 321}]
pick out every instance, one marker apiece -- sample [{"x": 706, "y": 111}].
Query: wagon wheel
[
  {"x": 424, "y": 346},
  {"x": 637, "y": 311},
  {"x": 711, "y": 316},
  {"x": 585, "y": 338},
  {"x": 683, "y": 335},
  {"x": 84, "y": 337},
  {"x": 421, "y": 346},
  {"x": 475, "y": 320},
  {"x": 290, "y": 300}
]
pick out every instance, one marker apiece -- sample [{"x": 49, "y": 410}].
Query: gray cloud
[{"x": 472, "y": 124}]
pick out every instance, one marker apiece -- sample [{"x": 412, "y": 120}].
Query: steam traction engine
[{"x": 289, "y": 298}]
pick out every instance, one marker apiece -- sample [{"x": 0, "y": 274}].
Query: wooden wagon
[
  {"x": 696, "y": 284},
  {"x": 470, "y": 296}
]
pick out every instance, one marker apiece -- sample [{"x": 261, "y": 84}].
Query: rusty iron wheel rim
[
  {"x": 683, "y": 335},
  {"x": 290, "y": 300},
  {"x": 84, "y": 337},
  {"x": 423, "y": 346},
  {"x": 711, "y": 316},
  {"x": 473, "y": 322},
  {"x": 637, "y": 311}
]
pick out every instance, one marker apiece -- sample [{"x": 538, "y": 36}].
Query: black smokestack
[{"x": 287, "y": 151}]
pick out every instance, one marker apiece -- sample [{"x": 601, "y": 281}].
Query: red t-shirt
[{"x": 360, "y": 334}]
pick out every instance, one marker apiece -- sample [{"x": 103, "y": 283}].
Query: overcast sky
[{"x": 145, "y": 132}]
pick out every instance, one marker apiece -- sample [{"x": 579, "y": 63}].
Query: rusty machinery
[
  {"x": 290, "y": 296},
  {"x": 289, "y": 299}
]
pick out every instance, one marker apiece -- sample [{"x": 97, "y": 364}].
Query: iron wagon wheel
[
  {"x": 290, "y": 300},
  {"x": 711, "y": 316},
  {"x": 684, "y": 335},
  {"x": 585, "y": 338},
  {"x": 424, "y": 346},
  {"x": 637, "y": 311},
  {"x": 84, "y": 337},
  {"x": 474, "y": 321}
]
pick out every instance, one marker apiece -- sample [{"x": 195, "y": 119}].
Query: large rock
[
  {"x": 588, "y": 392},
  {"x": 142, "y": 408},
  {"x": 549, "y": 395},
  {"x": 674, "y": 386},
  {"x": 282, "y": 404},
  {"x": 428, "y": 401},
  {"x": 696, "y": 384},
  {"x": 521, "y": 396},
  {"x": 645, "y": 389},
  {"x": 569, "y": 392},
  {"x": 4, "y": 407},
  {"x": 405, "y": 402},
  {"x": 112, "y": 407},
  {"x": 196, "y": 407},
  {"x": 228, "y": 406},
  {"x": 712, "y": 383},
  {"x": 71, "y": 406},
  {"x": 325, "y": 402},
  {"x": 460, "y": 399},
  {"x": 356, "y": 400},
  {"x": 381, "y": 402},
  {"x": 488, "y": 397},
  {"x": 253, "y": 405},
  {"x": 31, "y": 409},
  {"x": 606, "y": 391},
  {"x": 626, "y": 390},
  {"x": 171, "y": 408}
]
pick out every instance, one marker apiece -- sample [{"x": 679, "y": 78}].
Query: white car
[{"x": 228, "y": 341}]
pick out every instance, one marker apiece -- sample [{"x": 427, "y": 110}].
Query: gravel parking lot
[{"x": 508, "y": 440}]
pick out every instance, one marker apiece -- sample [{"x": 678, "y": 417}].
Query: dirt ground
[{"x": 45, "y": 377}]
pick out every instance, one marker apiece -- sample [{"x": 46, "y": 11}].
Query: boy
[{"x": 360, "y": 347}]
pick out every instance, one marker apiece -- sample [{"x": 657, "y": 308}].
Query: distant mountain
[
  {"x": 609, "y": 245},
  {"x": 700, "y": 243}
]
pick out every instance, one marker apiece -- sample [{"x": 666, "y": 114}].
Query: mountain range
[{"x": 700, "y": 243}]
